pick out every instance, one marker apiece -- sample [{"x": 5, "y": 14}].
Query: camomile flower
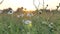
[
  {"x": 10, "y": 12},
  {"x": 18, "y": 16},
  {"x": 27, "y": 22},
  {"x": 51, "y": 25},
  {"x": 40, "y": 12},
  {"x": 21, "y": 15}
]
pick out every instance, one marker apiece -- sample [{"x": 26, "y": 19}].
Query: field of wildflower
[{"x": 45, "y": 23}]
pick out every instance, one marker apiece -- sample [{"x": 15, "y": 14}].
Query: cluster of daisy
[
  {"x": 29, "y": 15},
  {"x": 50, "y": 25},
  {"x": 21, "y": 15}
]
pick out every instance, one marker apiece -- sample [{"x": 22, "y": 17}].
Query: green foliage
[{"x": 11, "y": 24}]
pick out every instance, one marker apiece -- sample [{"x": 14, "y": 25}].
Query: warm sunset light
[
  {"x": 29, "y": 16},
  {"x": 28, "y": 4}
]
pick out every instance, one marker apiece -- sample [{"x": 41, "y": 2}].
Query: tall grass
[{"x": 11, "y": 24}]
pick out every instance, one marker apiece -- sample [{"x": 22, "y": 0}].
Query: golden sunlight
[{"x": 28, "y": 4}]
